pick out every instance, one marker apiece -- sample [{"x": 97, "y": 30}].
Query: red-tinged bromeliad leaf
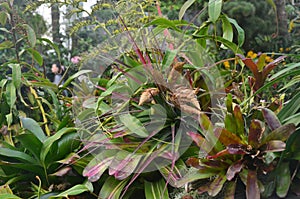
[
  {"x": 282, "y": 133},
  {"x": 234, "y": 169},
  {"x": 271, "y": 119},
  {"x": 255, "y": 133},
  {"x": 252, "y": 189}
]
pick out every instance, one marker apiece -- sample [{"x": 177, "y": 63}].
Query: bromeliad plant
[{"x": 237, "y": 153}]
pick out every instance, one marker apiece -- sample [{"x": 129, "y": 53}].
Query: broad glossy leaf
[
  {"x": 184, "y": 7},
  {"x": 36, "y": 56},
  {"x": 216, "y": 185},
  {"x": 252, "y": 189},
  {"x": 271, "y": 119},
  {"x": 6, "y": 44},
  {"x": 30, "y": 35},
  {"x": 3, "y": 18},
  {"x": 71, "y": 78},
  {"x": 234, "y": 169},
  {"x": 134, "y": 125},
  {"x": 50, "y": 141},
  {"x": 16, "y": 74},
  {"x": 31, "y": 143},
  {"x": 112, "y": 188},
  {"x": 283, "y": 179},
  {"x": 164, "y": 23},
  {"x": 227, "y": 28},
  {"x": 32, "y": 126},
  {"x": 282, "y": 133},
  {"x": 240, "y": 31},
  {"x": 73, "y": 191},
  {"x": 214, "y": 9},
  {"x": 11, "y": 95},
  {"x": 17, "y": 155},
  {"x": 255, "y": 133},
  {"x": 156, "y": 190},
  {"x": 232, "y": 46}
]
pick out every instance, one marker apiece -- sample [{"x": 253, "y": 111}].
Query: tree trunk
[
  {"x": 282, "y": 20},
  {"x": 55, "y": 23}
]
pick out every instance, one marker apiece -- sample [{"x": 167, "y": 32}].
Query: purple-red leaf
[
  {"x": 228, "y": 138},
  {"x": 255, "y": 133},
  {"x": 282, "y": 133},
  {"x": 271, "y": 119},
  {"x": 268, "y": 68},
  {"x": 252, "y": 189},
  {"x": 237, "y": 149},
  {"x": 219, "y": 154},
  {"x": 251, "y": 65},
  {"x": 216, "y": 186},
  {"x": 201, "y": 142},
  {"x": 274, "y": 146},
  {"x": 234, "y": 169}
]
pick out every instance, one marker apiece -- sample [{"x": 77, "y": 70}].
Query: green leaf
[
  {"x": 36, "y": 56},
  {"x": 3, "y": 18},
  {"x": 168, "y": 59},
  {"x": 164, "y": 23},
  {"x": 112, "y": 188},
  {"x": 193, "y": 175},
  {"x": 74, "y": 191},
  {"x": 6, "y": 44},
  {"x": 290, "y": 108},
  {"x": 156, "y": 190},
  {"x": 50, "y": 141},
  {"x": 240, "y": 31},
  {"x": 32, "y": 126},
  {"x": 134, "y": 125},
  {"x": 232, "y": 46},
  {"x": 53, "y": 46},
  {"x": 16, "y": 74},
  {"x": 11, "y": 96},
  {"x": 227, "y": 29},
  {"x": 8, "y": 196},
  {"x": 282, "y": 133},
  {"x": 71, "y": 78},
  {"x": 184, "y": 7},
  {"x": 261, "y": 62},
  {"x": 283, "y": 179},
  {"x": 17, "y": 155},
  {"x": 31, "y": 143},
  {"x": 9, "y": 118},
  {"x": 214, "y": 9},
  {"x": 30, "y": 35}
]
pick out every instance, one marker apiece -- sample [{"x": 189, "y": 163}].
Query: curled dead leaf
[{"x": 147, "y": 95}]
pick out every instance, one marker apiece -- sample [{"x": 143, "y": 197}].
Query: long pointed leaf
[
  {"x": 155, "y": 190},
  {"x": 282, "y": 133},
  {"x": 32, "y": 126},
  {"x": 271, "y": 119},
  {"x": 252, "y": 189}
]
